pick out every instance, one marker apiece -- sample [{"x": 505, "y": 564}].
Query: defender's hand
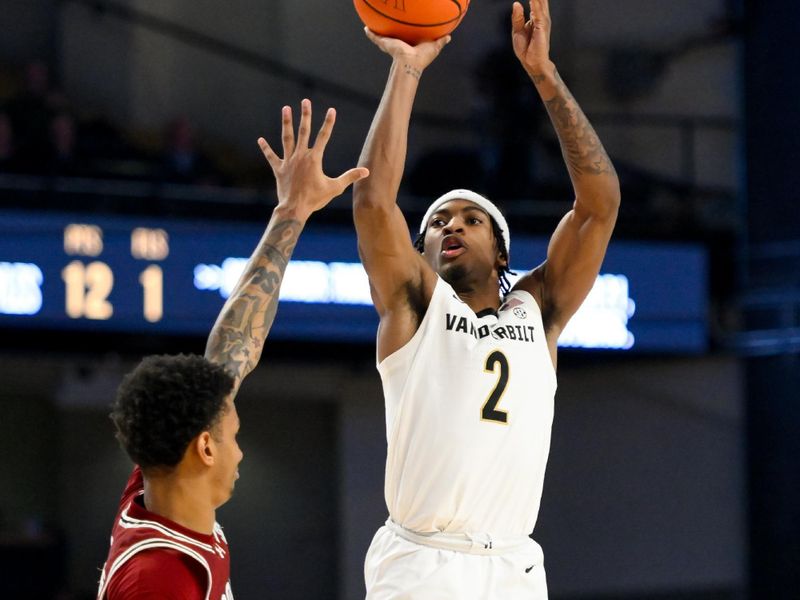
[
  {"x": 301, "y": 184},
  {"x": 420, "y": 56},
  {"x": 531, "y": 38}
]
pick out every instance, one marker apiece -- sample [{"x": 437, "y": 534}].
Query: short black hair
[
  {"x": 503, "y": 271},
  {"x": 164, "y": 403}
]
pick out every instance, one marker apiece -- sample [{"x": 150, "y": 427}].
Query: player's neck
[
  {"x": 180, "y": 499},
  {"x": 480, "y": 299}
]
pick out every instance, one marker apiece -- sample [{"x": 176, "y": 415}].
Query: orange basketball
[{"x": 412, "y": 21}]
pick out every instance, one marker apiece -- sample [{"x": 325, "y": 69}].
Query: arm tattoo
[
  {"x": 413, "y": 71},
  {"x": 238, "y": 336},
  {"x": 582, "y": 149},
  {"x": 538, "y": 78}
]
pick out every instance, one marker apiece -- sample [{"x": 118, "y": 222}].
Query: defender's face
[{"x": 460, "y": 243}]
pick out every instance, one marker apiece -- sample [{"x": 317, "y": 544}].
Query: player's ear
[
  {"x": 502, "y": 260},
  {"x": 203, "y": 448}
]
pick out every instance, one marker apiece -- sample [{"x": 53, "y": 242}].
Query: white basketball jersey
[{"x": 469, "y": 409}]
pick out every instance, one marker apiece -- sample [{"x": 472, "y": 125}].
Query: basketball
[{"x": 412, "y": 21}]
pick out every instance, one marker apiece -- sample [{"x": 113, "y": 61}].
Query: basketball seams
[{"x": 460, "y": 14}]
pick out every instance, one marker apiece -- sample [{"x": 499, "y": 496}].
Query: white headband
[{"x": 475, "y": 198}]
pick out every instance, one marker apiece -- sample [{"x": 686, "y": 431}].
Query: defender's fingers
[
  {"x": 540, "y": 13},
  {"x": 325, "y": 131},
  {"x": 304, "y": 130},
  {"x": 517, "y": 18},
  {"x": 272, "y": 158},
  {"x": 287, "y": 131},
  {"x": 348, "y": 178}
]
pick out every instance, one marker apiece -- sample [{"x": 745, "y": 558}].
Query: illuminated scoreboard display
[{"x": 148, "y": 275}]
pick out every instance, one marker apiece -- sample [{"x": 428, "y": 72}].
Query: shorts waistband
[{"x": 469, "y": 543}]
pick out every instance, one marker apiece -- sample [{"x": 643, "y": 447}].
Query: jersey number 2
[{"x": 489, "y": 411}]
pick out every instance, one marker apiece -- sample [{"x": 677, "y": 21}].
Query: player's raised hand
[
  {"x": 301, "y": 183},
  {"x": 531, "y": 38},
  {"x": 419, "y": 56}
]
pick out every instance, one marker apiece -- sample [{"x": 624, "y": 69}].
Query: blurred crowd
[{"x": 42, "y": 133}]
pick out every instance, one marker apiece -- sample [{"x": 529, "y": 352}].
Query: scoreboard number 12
[
  {"x": 88, "y": 286},
  {"x": 87, "y": 290}
]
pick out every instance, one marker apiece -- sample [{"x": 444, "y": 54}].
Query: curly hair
[
  {"x": 164, "y": 403},
  {"x": 503, "y": 271}
]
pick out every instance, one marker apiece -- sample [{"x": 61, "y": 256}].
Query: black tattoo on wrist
[{"x": 413, "y": 71}]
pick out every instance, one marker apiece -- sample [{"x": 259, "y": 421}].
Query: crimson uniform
[{"x": 151, "y": 556}]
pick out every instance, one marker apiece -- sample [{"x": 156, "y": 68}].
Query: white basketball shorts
[{"x": 403, "y": 565}]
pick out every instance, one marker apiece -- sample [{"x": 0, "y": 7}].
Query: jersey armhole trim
[{"x": 148, "y": 545}]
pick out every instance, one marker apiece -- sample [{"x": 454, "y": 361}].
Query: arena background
[{"x": 673, "y": 471}]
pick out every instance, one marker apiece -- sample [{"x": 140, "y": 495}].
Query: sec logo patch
[{"x": 520, "y": 312}]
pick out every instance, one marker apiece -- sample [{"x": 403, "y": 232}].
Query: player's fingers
[
  {"x": 348, "y": 178},
  {"x": 517, "y": 18},
  {"x": 325, "y": 131},
  {"x": 442, "y": 42},
  {"x": 539, "y": 14},
  {"x": 272, "y": 158},
  {"x": 372, "y": 37},
  {"x": 304, "y": 130},
  {"x": 376, "y": 39},
  {"x": 545, "y": 9},
  {"x": 387, "y": 44},
  {"x": 287, "y": 131}
]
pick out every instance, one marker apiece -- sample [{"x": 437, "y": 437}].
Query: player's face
[
  {"x": 460, "y": 244},
  {"x": 228, "y": 453}
]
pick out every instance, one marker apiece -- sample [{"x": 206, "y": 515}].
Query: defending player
[
  {"x": 176, "y": 417},
  {"x": 469, "y": 377}
]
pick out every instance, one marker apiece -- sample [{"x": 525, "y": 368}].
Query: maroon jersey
[{"x": 151, "y": 556}]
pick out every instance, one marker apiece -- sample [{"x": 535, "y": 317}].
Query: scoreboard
[{"x": 85, "y": 272}]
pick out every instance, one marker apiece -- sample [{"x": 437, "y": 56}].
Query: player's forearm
[
  {"x": 590, "y": 169},
  {"x": 238, "y": 336},
  {"x": 384, "y": 152}
]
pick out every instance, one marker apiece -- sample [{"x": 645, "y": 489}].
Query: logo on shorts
[
  {"x": 520, "y": 312},
  {"x": 528, "y": 570}
]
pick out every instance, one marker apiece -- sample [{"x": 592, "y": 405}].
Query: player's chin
[
  {"x": 453, "y": 272},
  {"x": 230, "y": 493},
  {"x": 232, "y": 486}
]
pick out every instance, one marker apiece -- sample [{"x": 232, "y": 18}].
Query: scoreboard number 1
[{"x": 152, "y": 280}]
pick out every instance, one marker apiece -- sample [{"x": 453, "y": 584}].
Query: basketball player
[
  {"x": 175, "y": 415},
  {"x": 469, "y": 376}
]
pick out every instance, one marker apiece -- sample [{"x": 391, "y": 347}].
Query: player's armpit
[
  {"x": 574, "y": 257},
  {"x": 389, "y": 257}
]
